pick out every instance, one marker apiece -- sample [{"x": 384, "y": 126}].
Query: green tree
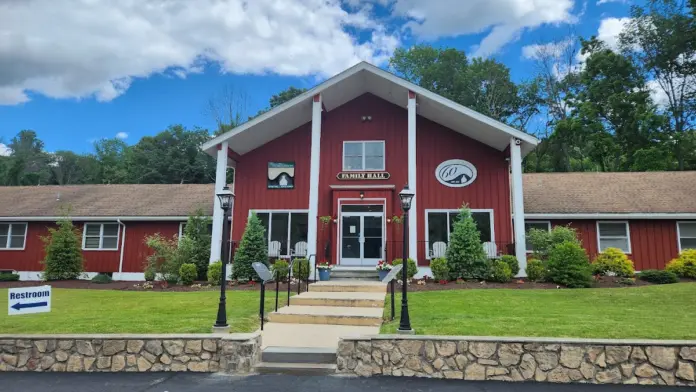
[
  {"x": 111, "y": 158},
  {"x": 28, "y": 164},
  {"x": 465, "y": 255},
  {"x": 198, "y": 231},
  {"x": 69, "y": 168},
  {"x": 285, "y": 95},
  {"x": 63, "y": 248},
  {"x": 252, "y": 248}
]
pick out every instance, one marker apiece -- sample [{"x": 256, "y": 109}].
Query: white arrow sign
[{"x": 24, "y": 300}]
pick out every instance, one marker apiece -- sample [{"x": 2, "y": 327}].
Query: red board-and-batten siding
[
  {"x": 135, "y": 251},
  {"x": 434, "y": 144},
  {"x": 653, "y": 242}
]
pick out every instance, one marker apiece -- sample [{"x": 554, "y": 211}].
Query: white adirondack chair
[
  {"x": 439, "y": 250},
  {"x": 491, "y": 249},
  {"x": 301, "y": 249},
  {"x": 274, "y": 249}
]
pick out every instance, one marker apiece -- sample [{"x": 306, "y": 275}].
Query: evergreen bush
[
  {"x": 11, "y": 277},
  {"x": 536, "y": 270},
  {"x": 658, "y": 276},
  {"x": 440, "y": 269},
  {"x": 188, "y": 273},
  {"x": 253, "y": 248},
  {"x": 465, "y": 255},
  {"x": 512, "y": 262},
  {"x": 101, "y": 278},
  {"x": 613, "y": 261},
  {"x": 569, "y": 265},
  {"x": 197, "y": 230},
  {"x": 685, "y": 265},
  {"x": 215, "y": 273},
  {"x": 411, "y": 269},
  {"x": 63, "y": 249},
  {"x": 300, "y": 269},
  {"x": 280, "y": 270},
  {"x": 150, "y": 274},
  {"x": 499, "y": 271}
]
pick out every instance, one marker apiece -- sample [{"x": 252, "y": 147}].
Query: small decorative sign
[
  {"x": 281, "y": 175},
  {"x": 24, "y": 300},
  {"x": 456, "y": 173},
  {"x": 349, "y": 176},
  {"x": 392, "y": 273}
]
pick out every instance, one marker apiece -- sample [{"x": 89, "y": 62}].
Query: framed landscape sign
[{"x": 281, "y": 175}]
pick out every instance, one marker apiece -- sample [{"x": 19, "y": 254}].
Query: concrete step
[
  {"x": 347, "y": 299},
  {"x": 310, "y": 335},
  {"x": 348, "y": 286},
  {"x": 299, "y": 355},
  {"x": 296, "y": 369},
  {"x": 355, "y": 273},
  {"x": 327, "y": 315}
]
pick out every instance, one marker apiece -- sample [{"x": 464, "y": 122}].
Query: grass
[
  {"x": 112, "y": 311},
  {"x": 656, "y": 312}
]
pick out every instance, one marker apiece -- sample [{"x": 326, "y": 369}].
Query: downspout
[{"x": 123, "y": 246}]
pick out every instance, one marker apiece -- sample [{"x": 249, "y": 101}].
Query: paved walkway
[{"x": 188, "y": 382}]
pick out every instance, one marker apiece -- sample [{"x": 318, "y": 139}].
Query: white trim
[
  {"x": 362, "y": 186},
  {"x": 20, "y": 219},
  {"x": 36, "y": 275},
  {"x": 628, "y": 235},
  {"x": 412, "y": 183},
  {"x": 218, "y": 213},
  {"x": 631, "y": 215},
  {"x": 101, "y": 236},
  {"x": 364, "y": 155},
  {"x": 449, "y": 211},
  {"x": 289, "y": 212},
  {"x": 314, "y": 171},
  {"x": 517, "y": 194},
  {"x": 548, "y": 228},
  {"x": 679, "y": 237},
  {"x": 9, "y": 235},
  {"x": 123, "y": 245},
  {"x": 128, "y": 276}
]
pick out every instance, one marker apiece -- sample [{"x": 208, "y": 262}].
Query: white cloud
[
  {"x": 609, "y": 30},
  {"x": 122, "y": 135},
  {"x": 97, "y": 48},
  {"x": 552, "y": 49},
  {"x": 504, "y": 20},
  {"x": 600, "y": 2},
  {"x": 4, "y": 150}
]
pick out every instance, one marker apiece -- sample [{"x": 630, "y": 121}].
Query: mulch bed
[{"x": 518, "y": 284}]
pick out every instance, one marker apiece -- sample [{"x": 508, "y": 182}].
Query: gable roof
[
  {"x": 92, "y": 201},
  {"x": 610, "y": 193},
  {"x": 355, "y": 81}
]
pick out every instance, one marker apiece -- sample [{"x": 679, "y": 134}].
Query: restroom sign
[{"x": 25, "y": 300}]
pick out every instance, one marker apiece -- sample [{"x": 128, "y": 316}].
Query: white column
[
  {"x": 518, "y": 205},
  {"x": 220, "y": 182},
  {"x": 413, "y": 213},
  {"x": 314, "y": 163}
]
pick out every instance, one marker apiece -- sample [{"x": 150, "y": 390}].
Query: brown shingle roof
[
  {"x": 106, "y": 200},
  {"x": 587, "y": 193}
]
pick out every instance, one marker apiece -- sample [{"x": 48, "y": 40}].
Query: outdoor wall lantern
[{"x": 406, "y": 196}]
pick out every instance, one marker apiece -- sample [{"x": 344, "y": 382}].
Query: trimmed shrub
[
  {"x": 198, "y": 233},
  {"x": 685, "y": 265},
  {"x": 543, "y": 241},
  {"x": 300, "y": 269},
  {"x": 658, "y": 276},
  {"x": 63, "y": 248},
  {"x": 465, "y": 255},
  {"x": 499, "y": 271},
  {"x": 9, "y": 277},
  {"x": 411, "y": 269},
  {"x": 536, "y": 270},
  {"x": 165, "y": 258},
  {"x": 150, "y": 275},
  {"x": 569, "y": 265},
  {"x": 440, "y": 269},
  {"x": 280, "y": 270},
  {"x": 512, "y": 262},
  {"x": 188, "y": 273},
  {"x": 614, "y": 261},
  {"x": 215, "y": 273},
  {"x": 253, "y": 248},
  {"x": 101, "y": 279}
]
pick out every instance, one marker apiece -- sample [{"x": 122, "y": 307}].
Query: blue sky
[{"x": 131, "y": 70}]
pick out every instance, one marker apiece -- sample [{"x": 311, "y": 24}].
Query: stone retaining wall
[
  {"x": 521, "y": 359},
  {"x": 233, "y": 353}
]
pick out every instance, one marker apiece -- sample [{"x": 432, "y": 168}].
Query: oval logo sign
[{"x": 456, "y": 173}]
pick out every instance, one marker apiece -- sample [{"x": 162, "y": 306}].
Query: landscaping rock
[
  {"x": 558, "y": 375},
  {"x": 111, "y": 347},
  {"x": 118, "y": 363},
  {"x": 685, "y": 371},
  {"x": 410, "y": 347},
  {"x": 88, "y": 362},
  {"x": 482, "y": 349},
  {"x": 627, "y": 369},
  {"x": 663, "y": 357},
  {"x": 41, "y": 345},
  {"x": 510, "y": 354},
  {"x": 430, "y": 352},
  {"x": 528, "y": 366},
  {"x": 74, "y": 363},
  {"x": 134, "y": 346},
  {"x": 645, "y": 370},
  {"x": 571, "y": 356},
  {"x": 84, "y": 347},
  {"x": 638, "y": 355},
  {"x": 461, "y": 361},
  {"x": 446, "y": 349},
  {"x": 453, "y": 374},
  {"x": 209, "y": 345},
  {"x": 193, "y": 347},
  {"x": 143, "y": 364},
  {"x": 103, "y": 362},
  {"x": 546, "y": 360},
  {"x": 610, "y": 376},
  {"x": 688, "y": 353},
  {"x": 154, "y": 347},
  {"x": 475, "y": 372},
  {"x": 617, "y": 354}
]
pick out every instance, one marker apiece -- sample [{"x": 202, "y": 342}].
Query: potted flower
[
  {"x": 324, "y": 271},
  {"x": 383, "y": 269}
]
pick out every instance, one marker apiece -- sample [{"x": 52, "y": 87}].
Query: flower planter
[
  {"x": 324, "y": 275},
  {"x": 383, "y": 274}
]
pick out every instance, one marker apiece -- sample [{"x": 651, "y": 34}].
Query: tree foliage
[
  {"x": 465, "y": 255},
  {"x": 63, "y": 249},
  {"x": 253, "y": 248},
  {"x": 198, "y": 231}
]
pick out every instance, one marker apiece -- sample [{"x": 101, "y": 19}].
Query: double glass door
[{"x": 362, "y": 238}]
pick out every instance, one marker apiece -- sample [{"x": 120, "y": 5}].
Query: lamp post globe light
[
  {"x": 226, "y": 197},
  {"x": 406, "y": 196}
]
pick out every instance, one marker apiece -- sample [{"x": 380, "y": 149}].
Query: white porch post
[
  {"x": 220, "y": 182},
  {"x": 413, "y": 212},
  {"x": 518, "y": 205},
  {"x": 314, "y": 163}
]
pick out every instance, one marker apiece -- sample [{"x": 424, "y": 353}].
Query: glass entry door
[{"x": 362, "y": 238}]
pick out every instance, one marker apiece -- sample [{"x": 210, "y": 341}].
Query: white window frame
[
  {"x": 101, "y": 236},
  {"x": 9, "y": 235},
  {"x": 548, "y": 228},
  {"x": 679, "y": 236},
  {"x": 628, "y": 235},
  {"x": 270, "y": 213},
  {"x": 384, "y": 155},
  {"x": 448, "y": 211}
]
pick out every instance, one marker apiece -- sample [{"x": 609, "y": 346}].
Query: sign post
[
  {"x": 25, "y": 300},
  {"x": 266, "y": 276},
  {"x": 390, "y": 279}
]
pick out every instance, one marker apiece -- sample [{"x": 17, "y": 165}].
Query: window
[
  {"x": 100, "y": 236},
  {"x": 363, "y": 156},
  {"x": 287, "y": 228},
  {"x": 440, "y": 223},
  {"x": 545, "y": 225},
  {"x": 685, "y": 230},
  {"x": 614, "y": 235},
  {"x": 13, "y": 235}
]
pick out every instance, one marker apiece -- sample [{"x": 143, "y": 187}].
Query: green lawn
[
  {"x": 657, "y": 312},
  {"x": 112, "y": 311}
]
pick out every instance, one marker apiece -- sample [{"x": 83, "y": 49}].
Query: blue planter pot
[
  {"x": 383, "y": 274},
  {"x": 324, "y": 275}
]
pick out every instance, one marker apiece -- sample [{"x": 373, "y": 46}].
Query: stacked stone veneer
[
  {"x": 234, "y": 353},
  {"x": 520, "y": 359}
]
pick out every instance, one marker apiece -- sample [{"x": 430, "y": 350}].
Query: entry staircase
[{"x": 302, "y": 338}]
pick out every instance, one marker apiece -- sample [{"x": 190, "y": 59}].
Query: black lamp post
[
  {"x": 406, "y": 196},
  {"x": 226, "y": 196}
]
